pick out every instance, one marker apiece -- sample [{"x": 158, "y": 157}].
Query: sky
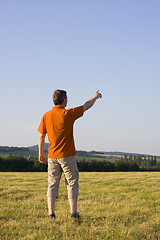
[{"x": 81, "y": 47}]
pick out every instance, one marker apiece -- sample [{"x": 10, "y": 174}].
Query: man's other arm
[
  {"x": 42, "y": 156},
  {"x": 92, "y": 101}
]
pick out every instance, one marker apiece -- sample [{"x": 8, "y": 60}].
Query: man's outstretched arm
[
  {"x": 92, "y": 101},
  {"x": 42, "y": 156}
]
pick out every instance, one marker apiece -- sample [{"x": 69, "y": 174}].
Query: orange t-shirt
[{"x": 58, "y": 125}]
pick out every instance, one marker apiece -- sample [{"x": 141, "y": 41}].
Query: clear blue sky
[{"x": 82, "y": 46}]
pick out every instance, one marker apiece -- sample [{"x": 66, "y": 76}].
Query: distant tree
[
  {"x": 144, "y": 163},
  {"x": 130, "y": 158},
  {"x": 148, "y": 161},
  {"x": 125, "y": 158},
  {"x": 151, "y": 161},
  {"x": 155, "y": 160},
  {"x": 139, "y": 160}
]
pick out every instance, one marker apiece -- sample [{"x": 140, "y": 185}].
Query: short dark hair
[{"x": 59, "y": 96}]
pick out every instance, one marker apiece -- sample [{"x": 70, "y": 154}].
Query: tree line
[
  {"x": 20, "y": 164},
  {"x": 141, "y": 160}
]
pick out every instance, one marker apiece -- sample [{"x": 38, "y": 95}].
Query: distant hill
[
  {"x": 32, "y": 151},
  {"x": 35, "y": 147},
  {"x": 17, "y": 151},
  {"x": 13, "y": 149}
]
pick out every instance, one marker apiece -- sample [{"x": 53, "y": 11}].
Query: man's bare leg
[
  {"x": 73, "y": 205},
  {"x": 51, "y": 204}
]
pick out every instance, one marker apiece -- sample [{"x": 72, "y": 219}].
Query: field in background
[{"x": 112, "y": 205}]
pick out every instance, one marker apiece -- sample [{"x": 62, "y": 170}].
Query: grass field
[{"x": 112, "y": 206}]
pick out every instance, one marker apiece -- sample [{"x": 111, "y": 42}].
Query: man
[{"x": 58, "y": 125}]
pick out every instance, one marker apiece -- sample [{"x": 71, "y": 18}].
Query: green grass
[{"x": 112, "y": 206}]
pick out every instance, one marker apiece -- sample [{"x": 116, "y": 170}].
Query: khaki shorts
[{"x": 69, "y": 167}]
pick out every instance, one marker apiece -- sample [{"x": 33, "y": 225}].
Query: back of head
[{"x": 59, "y": 96}]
